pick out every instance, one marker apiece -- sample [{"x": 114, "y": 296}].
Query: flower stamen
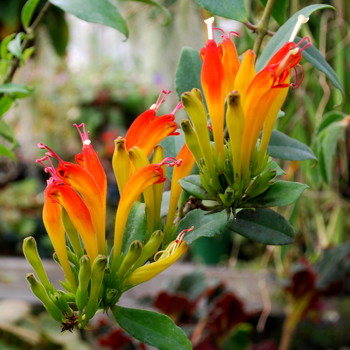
[
  {"x": 210, "y": 28},
  {"x": 161, "y": 99},
  {"x": 301, "y": 20},
  {"x": 84, "y": 135}
]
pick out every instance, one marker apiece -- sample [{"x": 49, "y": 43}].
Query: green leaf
[
  {"x": 152, "y": 328},
  {"x": 188, "y": 71},
  {"x": 193, "y": 185},
  {"x": 4, "y": 46},
  {"x": 328, "y": 141},
  {"x": 278, "y": 194},
  {"x": 232, "y": 9},
  {"x": 283, "y": 34},
  {"x": 136, "y": 226},
  {"x": 261, "y": 225},
  {"x": 315, "y": 57},
  {"x": 5, "y": 104},
  {"x": 330, "y": 118},
  {"x": 161, "y": 7},
  {"x": 15, "y": 46},
  {"x": 205, "y": 225},
  {"x": 101, "y": 11},
  {"x": 279, "y": 10},
  {"x": 27, "y": 12},
  {"x": 282, "y": 146},
  {"x": 5, "y": 152},
  {"x": 15, "y": 90},
  {"x": 6, "y": 131}
]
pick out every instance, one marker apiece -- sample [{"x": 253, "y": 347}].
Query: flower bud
[
  {"x": 97, "y": 274},
  {"x": 72, "y": 233},
  {"x": 150, "y": 248},
  {"x": 31, "y": 253},
  {"x": 40, "y": 292},
  {"x": 260, "y": 184},
  {"x": 62, "y": 303},
  {"x": 130, "y": 258},
  {"x": 192, "y": 141},
  {"x": 82, "y": 293},
  {"x": 121, "y": 163}
]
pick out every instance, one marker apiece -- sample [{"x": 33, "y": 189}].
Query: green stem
[
  {"x": 262, "y": 27},
  {"x": 15, "y": 62}
]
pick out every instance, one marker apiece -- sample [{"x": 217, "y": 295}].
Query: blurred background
[{"x": 84, "y": 72}]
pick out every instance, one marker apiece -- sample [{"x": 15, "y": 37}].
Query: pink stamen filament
[
  {"x": 161, "y": 99},
  {"x": 177, "y": 108},
  {"x": 51, "y": 153},
  {"x": 84, "y": 135},
  {"x": 170, "y": 162},
  {"x": 49, "y": 169},
  {"x": 308, "y": 44}
]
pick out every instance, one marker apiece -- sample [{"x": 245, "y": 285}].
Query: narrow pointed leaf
[
  {"x": 282, "y": 146},
  {"x": 283, "y": 34},
  {"x": 152, "y": 328},
  {"x": 315, "y": 57},
  {"x": 101, "y": 11},
  {"x": 279, "y": 10}
]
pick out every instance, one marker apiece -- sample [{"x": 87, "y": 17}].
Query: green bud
[
  {"x": 228, "y": 197},
  {"x": 260, "y": 184},
  {"x": 150, "y": 248},
  {"x": 31, "y": 253},
  {"x": 97, "y": 274},
  {"x": 192, "y": 102},
  {"x": 121, "y": 160},
  {"x": 235, "y": 125},
  {"x": 130, "y": 258},
  {"x": 82, "y": 293},
  {"x": 192, "y": 141},
  {"x": 40, "y": 292}
]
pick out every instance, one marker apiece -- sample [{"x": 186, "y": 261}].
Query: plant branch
[
  {"x": 16, "y": 61},
  {"x": 262, "y": 27},
  {"x": 254, "y": 28}
]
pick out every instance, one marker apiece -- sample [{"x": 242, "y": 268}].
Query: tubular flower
[
  {"x": 148, "y": 130},
  {"x": 252, "y": 103}
]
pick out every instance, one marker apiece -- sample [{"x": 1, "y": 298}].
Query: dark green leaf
[
  {"x": 283, "y": 34},
  {"x": 15, "y": 47},
  {"x": 264, "y": 226},
  {"x": 330, "y": 118},
  {"x": 161, "y": 7},
  {"x": 232, "y": 9},
  {"x": 101, "y": 11},
  {"x": 6, "y": 131},
  {"x": 279, "y": 193},
  {"x": 188, "y": 71},
  {"x": 205, "y": 225},
  {"x": 282, "y": 146},
  {"x": 5, "y": 152},
  {"x": 15, "y": 90},
  {"x": 193, "y": 185},
  {"x": 27, "y": 12},
  {"x": 328, "y": 141},
  {"x": 315, "y": 57},
  {"x": 136, "y": 226},
  {"x": 152, "y": 328},
  {"x": 5, "y": 104},
  {"x": 279, "y": 10}
]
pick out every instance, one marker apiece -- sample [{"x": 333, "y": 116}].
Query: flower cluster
[
  {"x": 75, "y": 211},
  {"x": 246, "y": 103}
]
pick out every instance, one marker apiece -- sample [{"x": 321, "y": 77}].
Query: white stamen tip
[
  {"x": 154, "y": 106},
  {"x": 301, "y": 20},
  {"x": 209, "y": 22},
  {"x": 87, "y": 142}
]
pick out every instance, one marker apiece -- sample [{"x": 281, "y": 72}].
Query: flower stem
[
  {"x": 15, "y": 62},
  {"x": 262, "y": 27}
]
